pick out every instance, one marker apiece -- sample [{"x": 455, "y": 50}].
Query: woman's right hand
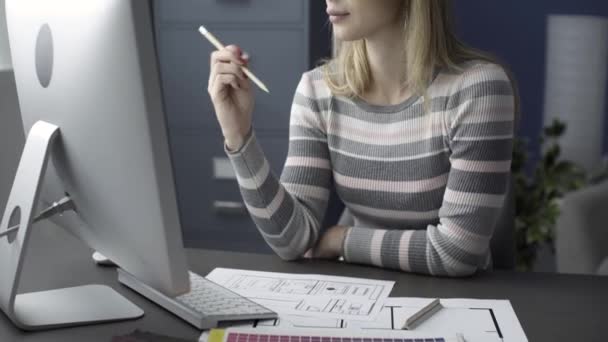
[{"x": 232, "y": 94}]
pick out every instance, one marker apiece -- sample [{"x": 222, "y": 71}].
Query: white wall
[
  {"x": 5, "y": 59},
  {"x": 576, "y": 82}
]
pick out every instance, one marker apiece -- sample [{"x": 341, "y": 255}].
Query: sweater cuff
[
  {"x": 249, "y": 159},
  {"x": 357, "y": 244},
  {"x": 246, "y": 140}
]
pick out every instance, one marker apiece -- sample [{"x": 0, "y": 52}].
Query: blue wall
[{"x": 515, "y": 32}]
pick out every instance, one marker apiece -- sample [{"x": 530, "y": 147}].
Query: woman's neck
[{"x": 387, "y": 66}]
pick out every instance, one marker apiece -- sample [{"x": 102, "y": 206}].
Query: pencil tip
[{"x": 202, "y": 29}]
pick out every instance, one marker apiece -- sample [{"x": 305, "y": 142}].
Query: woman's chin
[{"x": 345, "y": 35}]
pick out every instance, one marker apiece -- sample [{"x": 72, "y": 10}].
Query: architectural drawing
[{"x": 327, "y": 297}]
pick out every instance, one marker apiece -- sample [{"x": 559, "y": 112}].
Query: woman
[{"x": 412, "y": 128}]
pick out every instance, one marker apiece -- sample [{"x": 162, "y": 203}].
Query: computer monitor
[{"x": 89, "y": 68}]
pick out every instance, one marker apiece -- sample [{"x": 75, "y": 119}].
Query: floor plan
[{"x": 327, "y": 297}]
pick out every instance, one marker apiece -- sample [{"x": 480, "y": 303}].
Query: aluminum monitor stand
[{"x": 54, "y": 308}]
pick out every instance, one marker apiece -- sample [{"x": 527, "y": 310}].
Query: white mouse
[{"x": 101, "y": 260}]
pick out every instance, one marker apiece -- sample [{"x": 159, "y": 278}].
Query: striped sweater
[{"x": 425, "y": 182}]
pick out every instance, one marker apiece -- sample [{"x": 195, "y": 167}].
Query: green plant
[{"x": 537, "y": 195}]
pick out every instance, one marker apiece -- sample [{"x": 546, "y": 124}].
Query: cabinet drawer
[
  {"x": 211, "y": 208},
  {"x": 232, "y": 11},
  {"x": 278, "y": 59}
]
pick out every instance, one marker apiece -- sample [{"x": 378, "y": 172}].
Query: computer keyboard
[
  {"x": 205, "y": 305},
  {"x": 210, "y": 299}
]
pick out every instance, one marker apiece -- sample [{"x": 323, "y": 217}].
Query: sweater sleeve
[
  {"x": 288, "y": 211},
  {"x": 479, "y": 119}
]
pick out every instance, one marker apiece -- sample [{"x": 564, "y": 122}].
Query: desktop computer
[{"x": 97, "y": 142}]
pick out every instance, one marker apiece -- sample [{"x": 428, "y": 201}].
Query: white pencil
[
  {"x": 422, "y": 314},
  {"x": 220, "y": 46}
]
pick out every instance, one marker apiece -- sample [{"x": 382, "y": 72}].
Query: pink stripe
[
  {"x": 481, "y": 166},
  {"x": 308, "y": 162},
  {"x": 304, "y": 116},
  {"x": 404, "y": 249},
  {"x": 376, "y": 247},
  {"x": 379, "y": 134},
  {"x": 390, "y": 186},
  {"x": 476, "y": 199}
]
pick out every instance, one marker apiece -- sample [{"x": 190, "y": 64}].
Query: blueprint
[
  {"x": 320, "y": 296},
  {"x": 478, "y": 320}
]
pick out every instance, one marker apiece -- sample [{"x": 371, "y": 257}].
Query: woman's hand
[
  {"x": 232, "y": 94},
  {"x": 329, "y": 245}
]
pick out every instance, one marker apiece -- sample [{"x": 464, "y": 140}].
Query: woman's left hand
[{"x": 329, "y": 245}]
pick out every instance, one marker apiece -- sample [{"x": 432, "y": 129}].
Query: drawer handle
[{"x": 230, "y": 208}]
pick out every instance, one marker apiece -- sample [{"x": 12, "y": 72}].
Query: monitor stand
[{"x": 54, "y": 308}]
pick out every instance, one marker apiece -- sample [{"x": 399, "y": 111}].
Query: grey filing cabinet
[{"x": 284, "y": 38}]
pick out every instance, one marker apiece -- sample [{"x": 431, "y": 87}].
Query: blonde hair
[{"x": 429, "y": 43}]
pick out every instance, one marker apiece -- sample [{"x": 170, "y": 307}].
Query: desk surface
[{"x": 550, "y": 307}]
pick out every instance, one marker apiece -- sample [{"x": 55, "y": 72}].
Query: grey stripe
[
  {"x": 485, "y": 129},
  {"x": 390, "y": 248},
  {"x": 302, "y": 100},
  {"x": 488, "y": 150},
  {"x": 485, "y": 183},
  {"x": 437, "y": 264},
  {"x": 285, "y": 211},
  {"x": 276, "y": 223},
  {"x": 420, "y": 201},
  {"x": 265, "y": 225},
  {"x": 316, "y": 206},
  {"x": 306, "y": 175},
  {"x": 249, "y": 161},
  {"x": 454, "y": 251},
  {"x": 478, "y": 220},
  {"x": 301, "y": 131},
  {"x": 344, "y": 106},
  {"x": 263, "y": 195},
  {"x": 407, "y": 170},
  {"x": 308, "y": 148},
  {"x": 358, "y": 249},
  {"x": 417, "y": 252},
  {"x": 288, "y": 231},
  {"x": 392, "y": 151},
  {"x": 480, "y": 90},
  {"x": 395, "y": 223}
]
